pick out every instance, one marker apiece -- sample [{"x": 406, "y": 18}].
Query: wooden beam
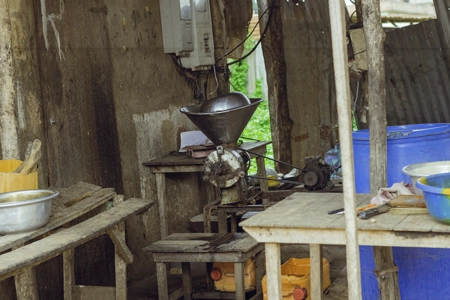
[
  {"x": 386, "y": 273},
  {"x": 273, "y": 49},
  {"x": 9, "y": 140},
  {"x": 340, "y": 62},
  {"x": 117, "y": 236},
  {"x": 69, "y": 274}
]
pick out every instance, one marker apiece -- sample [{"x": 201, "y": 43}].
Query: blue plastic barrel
[{"x": 422, "y": 271}]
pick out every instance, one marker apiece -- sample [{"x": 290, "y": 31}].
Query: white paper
[{"x": 190, "y": 138}]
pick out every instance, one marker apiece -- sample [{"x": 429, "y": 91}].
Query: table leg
[
  {"x": 239, "y": 280},
  {"x": 222, "y": 221},
  {"x": 69, "y": 274},
  {"x": 209, "y": 281},
  {"x": 316, "y": 255},
  {"x": 262, "y": 174},
  {"x": 161, "y": 274},
  {"x": 162, "y": 207},
  {"x": 26, "y": 284},
  {"x": 187, "y": 280},
  {"x": 273, "y": 264},
  {"x": 233, "y": 222}
]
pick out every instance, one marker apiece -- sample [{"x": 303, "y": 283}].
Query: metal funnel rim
[{"x": 194, "y": 109}]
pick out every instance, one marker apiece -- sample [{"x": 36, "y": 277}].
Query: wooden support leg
[
  {"x": 233, "y": 222},
  {"x": 262, "y": 174},
  {"x": 239, "y": 280},
  {"x": 316, "y": 255},
  {"x": 69, "y": 274},
  {"x": 161, "y": 274},
  {"x": 223, "y": 222},
  {"x": 260, "y": 270},
  {"x": 387, "y": 273},
  {"x": 122, "y": 255},
  {"x": 273, "y": 264},
  {"x": 162, "y": 207},
  {"x": 187, "y": 280},
  {"x": 26, "y": 285},
  {"x": 209, "y": 281}
]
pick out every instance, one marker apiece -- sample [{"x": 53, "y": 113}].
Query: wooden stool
[{"x": 185, "y": 248}]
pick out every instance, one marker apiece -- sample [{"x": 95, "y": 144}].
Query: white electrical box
[{"x": 187, "y": 32}]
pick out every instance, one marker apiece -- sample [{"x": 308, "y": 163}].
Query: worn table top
[
  {"x": 303, "y": 218},
  {"x": 178, "y": 159},
  {"x": 71, "y": 203},
  {"x": 203, "y": 243}
]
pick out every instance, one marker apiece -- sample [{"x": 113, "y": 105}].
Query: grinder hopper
[{"x": 222, "y": 119}]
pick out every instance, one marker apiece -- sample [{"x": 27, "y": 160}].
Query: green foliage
[{"x": 258, "y": 128}]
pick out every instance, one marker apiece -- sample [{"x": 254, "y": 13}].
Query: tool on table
[
  {"x": 358, "y": 210},
  {"x": 403, "y": 201},
  {"x": 368, "y": 213},
  {"x": 30, "y": 163}
]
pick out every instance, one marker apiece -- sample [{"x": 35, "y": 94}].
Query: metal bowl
[
  {"x": 417, "y": 171},
  {"x": 25, "y": 210},
  {"x": 225, "y": 102}
]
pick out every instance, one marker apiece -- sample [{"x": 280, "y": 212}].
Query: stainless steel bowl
[
  {"x": 417, "y": 171},
  {"x": 225, "y": 102},
  {"x": 25, "y": 210}
]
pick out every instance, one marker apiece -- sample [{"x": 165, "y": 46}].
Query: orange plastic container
[
  {"x": 10, "y": 182},
  {"x": 295, "y": 274},
  {"x": 223, "y": 276}
]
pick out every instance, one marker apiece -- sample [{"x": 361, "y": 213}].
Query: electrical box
[{"x": 187, "y": 32}]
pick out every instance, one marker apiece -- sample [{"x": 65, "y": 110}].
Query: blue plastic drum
[{"x": 423, "y": 272}]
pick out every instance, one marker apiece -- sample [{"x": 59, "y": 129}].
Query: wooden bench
[
  {"x": 21, "y": 260},
  {"x": 185, "y": 248}
]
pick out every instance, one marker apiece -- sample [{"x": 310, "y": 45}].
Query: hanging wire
[{"x": 262, "y": 35}]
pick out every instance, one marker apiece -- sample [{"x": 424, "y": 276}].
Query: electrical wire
[
  {"x": 248, "y": 36},
  {"x": 262, "y": 35}
]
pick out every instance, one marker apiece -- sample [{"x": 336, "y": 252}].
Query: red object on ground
[
  {"x": 216, "y": 274},
  {"x": 299, "y": 293}
]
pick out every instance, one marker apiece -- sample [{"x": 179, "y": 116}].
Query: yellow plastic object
[
  {"x": 227, "y": 283},
  {"x": 295, "y": 273},
  {"x": 273, "y": 182},
  {"x": 10, "y": 182}
]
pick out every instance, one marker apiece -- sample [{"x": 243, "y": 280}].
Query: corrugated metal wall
[{"x": 417, "y": 76}]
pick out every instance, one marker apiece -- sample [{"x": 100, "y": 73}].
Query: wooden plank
[
  {"x": 162, "y": 204},
  {"x": 442, "y": 13},
  {"x": 316, "y": 255},
  {"x": 387, "y": 274},
  {"x": 66, "y": 195},
  {"x": 56, "y": 244},
  {"x": 117, "y": 236},
  {"x": 69, "y": 274},
  {"x": 418, "y": 223},
  {"x": 187, "y": 280},
  {"x": 60, "y": 218},
  {"x": 273, "y": 263},
  {"x": 161, "y": 274},
  {"x": 26, "y": 284},
  {"x": 83, "y": 292},
  {"x": 239, "y": 280},
  {"x": 120, "y": 262}
]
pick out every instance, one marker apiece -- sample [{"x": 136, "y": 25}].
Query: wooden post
[
  {"x": 273, "y": 49},
  {"x": 9, "y": 139},
  {"x": 273, "y": 264},
  {"x": 375, "y": 37},
  {"x": 337, "y": 24},
  {"x": 358, "y": 8},
  {"x": 217, "y": 86}
]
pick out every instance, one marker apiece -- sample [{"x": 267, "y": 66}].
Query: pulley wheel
[{"x": 310, "y": 178}]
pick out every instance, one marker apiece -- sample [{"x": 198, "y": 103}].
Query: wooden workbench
[
  {"x": 31, "y": 248},
  {"x": 176, "y": 163},
  {"x": 302, "y": 218}
]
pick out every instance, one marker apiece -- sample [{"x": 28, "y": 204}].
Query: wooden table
[
  {"x": 183, "y": 164},
  {"x": 57, "y": 237},
  {"x": 205, "y": 247},
  {"x": 302, "y": 219}
]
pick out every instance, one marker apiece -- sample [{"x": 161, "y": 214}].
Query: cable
[
  {"x": 262, "y": 36},
  {"x": 248, "y": 36}
]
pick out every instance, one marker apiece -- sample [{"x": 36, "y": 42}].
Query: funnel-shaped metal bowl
[{"x": 222, "y": 126}]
